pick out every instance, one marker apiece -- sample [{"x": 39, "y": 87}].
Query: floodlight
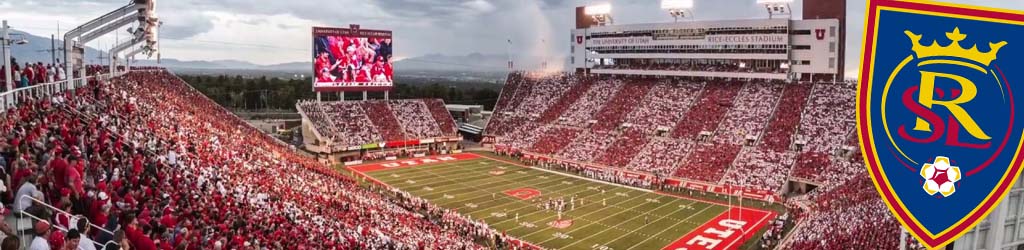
[
  {"x": 776, "y": 7},
  {"x": 600, "y": 9},
  {"x": 676, "y": 4}
]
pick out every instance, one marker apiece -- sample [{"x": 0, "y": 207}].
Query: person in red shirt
[
  {"x": 26, "y": 75},
  {"x": 58, "y": 169}
]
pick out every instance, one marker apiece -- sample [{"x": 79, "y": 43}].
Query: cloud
[
  {"x": 276, "y": 31},
  {"x": 185, "y": 24}
]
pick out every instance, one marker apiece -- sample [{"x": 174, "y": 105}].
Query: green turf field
[{"x": 475, "y": 188}]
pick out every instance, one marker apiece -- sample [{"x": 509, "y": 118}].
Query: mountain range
[{"x": 38, "y": 50}]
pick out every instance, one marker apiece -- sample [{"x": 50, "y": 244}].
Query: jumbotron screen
[{"x": 351, "y": 59}]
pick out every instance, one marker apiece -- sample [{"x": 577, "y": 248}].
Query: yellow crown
[{"x": 954, "y": 49}]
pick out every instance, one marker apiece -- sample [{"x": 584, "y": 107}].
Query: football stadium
[{"x": 687, "y": 133}]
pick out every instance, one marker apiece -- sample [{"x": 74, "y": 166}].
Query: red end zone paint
[
  {"x": 724, "y": 231},
  {"x": 408, "y": 163}
]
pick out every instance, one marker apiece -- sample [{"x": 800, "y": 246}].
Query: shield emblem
[
  {"x": 819, "y": 34},
  {"x": 579, "y": 39},
  {"x": 936, "y": 112}
]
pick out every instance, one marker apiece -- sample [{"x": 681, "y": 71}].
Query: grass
[{"x": 629, "y": 219}]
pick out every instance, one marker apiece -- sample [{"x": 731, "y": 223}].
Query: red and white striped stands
[
  {"x": 652, "y": 127},
  {"x": 355, "y": 123}
]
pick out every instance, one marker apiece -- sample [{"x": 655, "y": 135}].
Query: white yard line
[
  {"x": 652, "y": 222},
  {"x": 571, "y": 175},
  {"x": 613, "y": 215},
  {"x": 616, "y": 225},
  {"x": 673, "y": 226}
]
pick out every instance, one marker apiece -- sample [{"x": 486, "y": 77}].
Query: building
[{"x": 775, "y": 49}]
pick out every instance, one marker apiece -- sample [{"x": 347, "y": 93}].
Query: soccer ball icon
[{"x": 940, "y": 177}]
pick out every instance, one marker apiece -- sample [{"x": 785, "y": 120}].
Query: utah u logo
[
  {"x": 819, "y": 34},
  {"x": 936, "y": 113}
]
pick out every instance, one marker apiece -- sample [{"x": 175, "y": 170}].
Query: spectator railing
[
  {"x": 58, "y": 212},
  {"x": 14, "y": 97}
]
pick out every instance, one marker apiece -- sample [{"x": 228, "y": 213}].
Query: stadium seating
[
  {"x": 163, "y": 157},
  {"x": 666, "y": 104},
  {"x": 584, "y": 109},
  {"x": 621, "y": 151},
  {"x": 415, "y": 118},
  {"x": 779, "y": 134},
  {"x": 554, "y": 110},
  {"x": 383, "y": 118},
  {"x": 444, "y": 119},
  {"x": 554, "y": 139},
  {"x": 845, "y": 212},
  {"x": 851, "y": 216},
  {"x": 343, "y": 122},
  {"x": 708, "y": 162},
  {"x": 760, "y": 169},
  {"x": 753, "y": 107},
  {"x": 353, "y": 123},
  {"x": 660, "y": 156},
  {"x": 828, "y": 119},
  {"x": 587, "y": 145},
  {"x": 709, "y": 111},
  {"x": 620, "y": 105}
]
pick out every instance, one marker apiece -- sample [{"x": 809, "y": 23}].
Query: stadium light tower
[
  {"x": 678, "y": 8},
  {"x": 776, "y": 7},
  {"x": 602, "y": 13}
]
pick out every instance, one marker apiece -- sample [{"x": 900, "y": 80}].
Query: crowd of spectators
[
  {"x": 779, "y": 133},
  {"x": 353, "y": 123},
  {"x": 829, "y": 117},
  {"x": 344, "y": 123},
  {"x": 666, "y": 104},
  {"x": 694, "y": 66},
  {"x": 660, "y": 156},
  {"x": 843, "y": 212},
  {"x": 32, "y": 74},
  {"x": 622, "y": 150},
  {"x": 708, "y": 162},
  {"x": 587, "y": 145},
  {"x": 753, "y": 107},
  {"x": 621, "y": 104},
  {"x": 161, "y": 166},
  {"x": 850, "y": 216},
  {"x": 556, "y": 109},
  {"x": 583, "y": 110},
  {"x": 760, "y": 169},
  {"x": 554, "y": 139},
  {"x": 415, "y": 118},
  {"x": 444, "y": 119},
  {"x": 708, "y": 113},
  {"x": 382, "y": 117}
]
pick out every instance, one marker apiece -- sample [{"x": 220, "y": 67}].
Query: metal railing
[
  {"x": 12, "y": 98},
  {"x": 57, "y": 213}
]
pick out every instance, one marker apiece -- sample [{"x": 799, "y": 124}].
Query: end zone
[{"x": 724, "y": 231}]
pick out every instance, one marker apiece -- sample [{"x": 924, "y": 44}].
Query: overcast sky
[{"x": 278, "y": 31}]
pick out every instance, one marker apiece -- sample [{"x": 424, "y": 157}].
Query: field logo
[
  {"x": 560, "y": 224},
  {"x": 523, "y": 193},
  {"x": 936, "y": 112}
]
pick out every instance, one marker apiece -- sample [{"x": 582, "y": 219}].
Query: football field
[{"x": 511, "y": 198}]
